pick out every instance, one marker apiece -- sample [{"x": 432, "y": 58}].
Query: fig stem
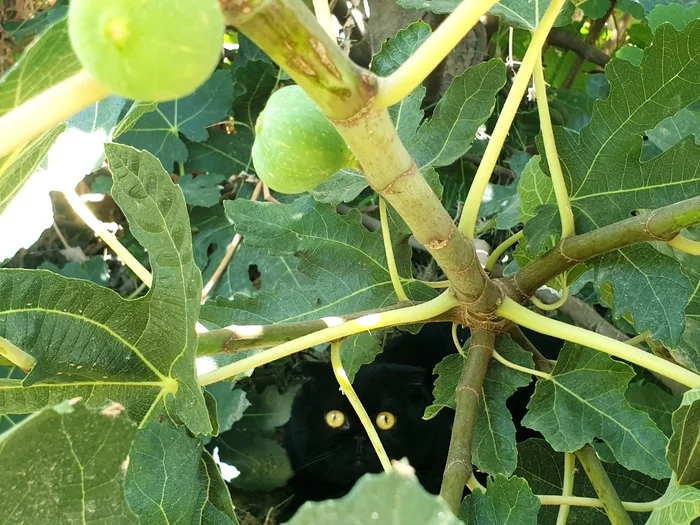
[
  {"x": 323, "y": 15},
  {"x": 470, "y": 211},
  {"x": 550, "y": 147},
  {"x": 49, "y": 108},
  {"x": 410, "y": 74}
]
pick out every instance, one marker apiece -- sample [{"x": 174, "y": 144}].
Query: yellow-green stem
[
  {"x": 512, "y": 311},
  {"x": 323, "y": 15},
  {"x": 550, "y": 148},
  {"x": 428, "y": 56},
  {"x": 110, "y": 240},
  {"x": 531, "y": 371},
  {"x": 472, "y": 204},
  {"x": 357, "y": 405},
  {"x": 501, "y": 249},
  {"x": 558, "y": 303},
  {"x": 42, "y": 112},
  {"x": 683, "y": 244},
  {"x": 412, "y": 314},
  {"x": 578, "y": 501},
  {"x": 455, "y": 340},
  {"x": 389, "y": 250},
  {"x": 16, "y": 355},
  {"x": 567, "y": 487},
  {"x": 436, "y": 284}
]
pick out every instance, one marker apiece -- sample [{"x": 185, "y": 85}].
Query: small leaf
[
  {"x": 203, "y": 190},
  {"x": 506, "y": 502},
  {"x": 584, "y": 399},
  {"x": 253, "y": 82},
  {"x": 674, "y": 13},
  {"x": 672, "y": 130},
  {"x": 77, "y": 464},
  {"x": 222, "y": 153},
  {"x": 494, "y": 435},
  {"x": 231, "y": 403},
  {"x": 343, "y": 186},
  {"x": 389, "y": 499}
]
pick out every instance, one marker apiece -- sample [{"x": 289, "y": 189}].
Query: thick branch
[
  {"x": 235, "y": 339},
  {"x": 565, "y": 40},
  {"x": 659, "y": 225},
  {"x": 468, "y": 395},
  {"x": 288, "y": 32}
]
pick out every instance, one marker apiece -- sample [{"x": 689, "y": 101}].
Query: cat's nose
[{"x": 359, "y": 444}]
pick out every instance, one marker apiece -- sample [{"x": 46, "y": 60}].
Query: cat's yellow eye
[
  {"x": 335, "y": 419},
  {"x": 385, "y": 420}
]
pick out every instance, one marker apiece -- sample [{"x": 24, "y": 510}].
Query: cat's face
[{"x": 326, "y": 440}]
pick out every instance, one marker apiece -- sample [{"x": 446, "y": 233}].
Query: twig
[
  {"x": 499, "y": 171},
  {"x": 49, "y": 108},
  {"x": 230, "y": 251},
  {"x": 567, "y": 487},
  {"x": 566, "y": 40},
  {"x": 468, "y": 394},
  {"x": 374, "y": 225}
]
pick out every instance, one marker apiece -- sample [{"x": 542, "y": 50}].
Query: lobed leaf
[
  {"x": 584, "y": 399},
  {"x": 507, "y": 501}
]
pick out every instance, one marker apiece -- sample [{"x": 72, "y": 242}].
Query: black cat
[{"x": 328, "y": 447}]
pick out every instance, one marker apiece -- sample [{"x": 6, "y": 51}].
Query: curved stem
[
  {"x": 685, "y": 245},
  {"x": 428, "y": 56},
  {"x": 42, "y": 112},
  {"x": 109, "y": 239},
  {"x": 567, "y": 487},
  {"x": 556, "y": 304},
  {"x": 349, "y": 392},
  {"x": 455, "y": 340},
  {"x": 436, "y": 284},
  {"x": 411, "y": 314},
  {"x": 550, "y": 148},
  {"x": 501, "y": 249},
  {"x": 389, "y": 250},
  {"x": 512, "y": 311},
  {"x": 16, "y": 355},
  {"x": 323, "y": 15},
  {"x": 472, "y": 204},
  {"x": 530, "y": 371}
]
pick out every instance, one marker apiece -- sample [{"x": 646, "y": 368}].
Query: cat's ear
[{"x": 415, "y": 381}]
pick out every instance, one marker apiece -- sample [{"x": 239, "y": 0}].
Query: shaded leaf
[
  {"x": 172, "y": 479},
  {"x": 76, "y": 476},
  {"x": 389, "y": 499},
  {"x": 253, "y": 82},
  {"x": 675, "y": 13},
  {"x": 493, "y": 448},
  {"x": 231, "y": 403},
  {"x": 655, "y": 401},
  {"x": 544, "y": 471},
  {"x": 158, "y": 130},
  {"x": 672, "y": 130},
  {"x": 222, "y": 153},
  {"x": 506, "y": 502},
  {"x": 94, "y": 269},
  {"x": 585, "y": 400},
  {"x": 650, "y": 286}
]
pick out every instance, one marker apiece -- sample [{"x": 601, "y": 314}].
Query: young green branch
[
  {"x": 389, "y": 251},
  {"x": 428, "y": 56},
  {"x": 458, "y": 468},
  {"x": 357, "y": 405},
  {"x": 411, "y": 314},
  {"x": 49, "y": 108},
  {"x": 16, "y": 355},
  {"x": 470, "y": 211}
]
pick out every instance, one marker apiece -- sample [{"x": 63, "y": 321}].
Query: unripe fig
[
  {"x": 296, "y": 147},
  {"x": 150, "y": 50}
]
